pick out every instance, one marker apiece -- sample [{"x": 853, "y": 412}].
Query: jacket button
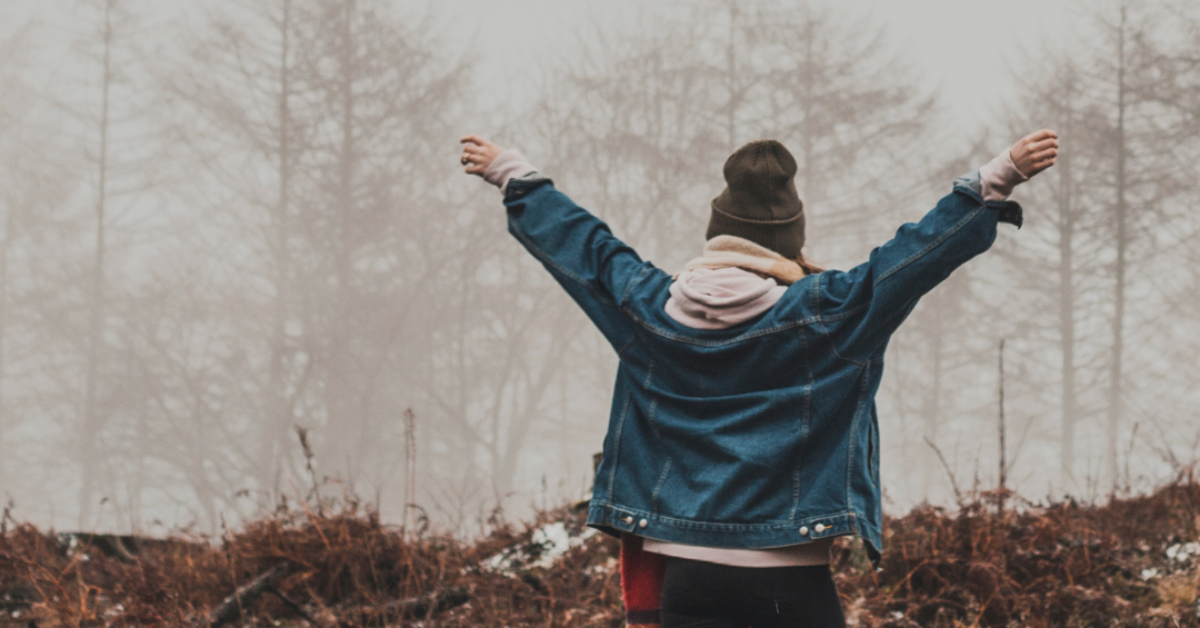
[
  {"x": 820, "y": 527},
  {"x": 643, "y": 523},
  {"x": 627, "y": 519},
  {"x": 804, "y": 531}
]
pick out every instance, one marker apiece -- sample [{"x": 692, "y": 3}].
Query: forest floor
[{"x": 1129, "y": 562}]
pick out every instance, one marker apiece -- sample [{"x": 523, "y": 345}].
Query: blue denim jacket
[{"x": 764, "y": 434}]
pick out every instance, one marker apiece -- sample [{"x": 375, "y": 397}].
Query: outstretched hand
[
  {"x": 1035, "y": 152},
  {"x": 478, "y": 154}
]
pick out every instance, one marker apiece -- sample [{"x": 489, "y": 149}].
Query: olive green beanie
[{"x": 760, "y": 202}]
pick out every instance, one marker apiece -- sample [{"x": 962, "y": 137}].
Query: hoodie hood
[{"x": 717, "y": 298}]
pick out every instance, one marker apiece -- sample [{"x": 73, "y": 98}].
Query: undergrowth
[{"x": 1129, "y": 562}]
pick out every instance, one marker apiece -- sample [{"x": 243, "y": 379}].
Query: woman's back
[
  {"x": 758, "y": 432},
  {"x": 764, "y": 434}
]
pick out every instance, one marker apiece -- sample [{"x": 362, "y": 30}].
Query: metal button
[
  {"x": 627, "y": 519},
  {"x": 804, "y": 531},
  {"x": 820, "y": 527},
  {"x": 643, "y": 523}
]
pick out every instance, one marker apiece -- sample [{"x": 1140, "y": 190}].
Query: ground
[{"x": 1128, "y": 562}]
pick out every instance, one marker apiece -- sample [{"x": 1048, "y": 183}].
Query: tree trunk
[
  {"x": 1115, "y": 410},
  {"x": 1066, "y": 306},
  {"x": 342, "y": 421},
  {"x": 91, "y": 418},
  {"x": 275, "y": 402},
  {"x": 5, "y": 246}
]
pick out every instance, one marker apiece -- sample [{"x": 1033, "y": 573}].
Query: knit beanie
[{"x": 760, "y": 202}]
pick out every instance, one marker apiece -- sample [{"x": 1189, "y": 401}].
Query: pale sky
[{"x": 964, "y": 48}]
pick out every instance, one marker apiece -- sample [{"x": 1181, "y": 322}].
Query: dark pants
[{"x": 697, "y": 594}]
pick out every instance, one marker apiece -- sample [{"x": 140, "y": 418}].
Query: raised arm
[
  {"x": 577, "y": 248},
  {"x": 880, "y": 293}
]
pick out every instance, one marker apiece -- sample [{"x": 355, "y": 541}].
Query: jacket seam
[
  {"x": 629, "y": 286},
  {"x": 621, "y": 351},
  {"x": 616, "y": 446},
  {"x": 612, "y": 475},
  {"x": 805, "y": 421},
  {"x": 872, "y": 458},
  {"x": 662, "y": 479},
  {"x": 625, "y": 299},
  {"x": 862, "y": 394},
  {"x": 658, "y": 331},
  {"x": 821, "y": 320},
  {"x": 834, "y": 349},
  {"x": 931, "y": 246},
  {"x": 547, "y": 260},
  {"x": 844, "y": 315}
]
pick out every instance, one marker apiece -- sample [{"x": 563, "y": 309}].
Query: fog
[{"x": 240, "y": 266}]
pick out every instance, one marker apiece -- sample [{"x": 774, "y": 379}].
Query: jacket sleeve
[
  {"x": 579, "y": 250},
  {"x": 863, "y": 307}
]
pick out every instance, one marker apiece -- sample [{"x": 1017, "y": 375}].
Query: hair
[{"x": 810, "y": 267}]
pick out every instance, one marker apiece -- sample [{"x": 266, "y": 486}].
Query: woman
[{"x": 743, "y": 436}]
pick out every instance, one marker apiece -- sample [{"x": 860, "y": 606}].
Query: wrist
[
  {"x": 1000, "y": 176},
  {"x": 507, "y": 165}
]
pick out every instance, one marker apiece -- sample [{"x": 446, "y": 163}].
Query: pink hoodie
[{"x": 707, "y": 298}]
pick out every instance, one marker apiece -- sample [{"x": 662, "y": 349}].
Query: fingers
[
  {"x": 1050, "y": 153},
  {"x": 1024, "y": 149},
  {"x": 1038, "y": 136},
  {"x": 1036, "y": 146},
  {"x": 475, "y": 140},
  {"x": 1035, "y": 152},
  {"x": 1041, "y": 161},
  {"x": 474, "y": 168},
  {"x": 1043, "y": 145},
  {"x": 1039, "y": 141},
  {"x": 474, "y": 162},
  {"x": 478, "y": 154}
]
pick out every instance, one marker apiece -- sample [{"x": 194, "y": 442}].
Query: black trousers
[{"x": 697, "y": 594}]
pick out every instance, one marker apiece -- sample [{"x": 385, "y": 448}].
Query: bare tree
[
  {"x": 238, "y": 87},
  {"x": 333, "y": 115},
  {"x": 1059, "y": 262},
  {"x": 1128, "y": 70},
  {"x": 91, "y": 413},
  {"x": 15, "y": 104},
  {"x": 374, "y": 216}
]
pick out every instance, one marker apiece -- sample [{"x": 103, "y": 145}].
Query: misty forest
[{"x": 258, "y": 329}]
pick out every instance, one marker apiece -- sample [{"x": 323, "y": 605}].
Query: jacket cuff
[
  {"x": 999, "y": 177},
  {"x": 510, "y": 164},
  {"x": 1007, "y": 211},
  {"x": 521, "y": 186}
]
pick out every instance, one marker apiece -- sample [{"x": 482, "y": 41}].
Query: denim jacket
[{"x": 764, "y": 434}]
